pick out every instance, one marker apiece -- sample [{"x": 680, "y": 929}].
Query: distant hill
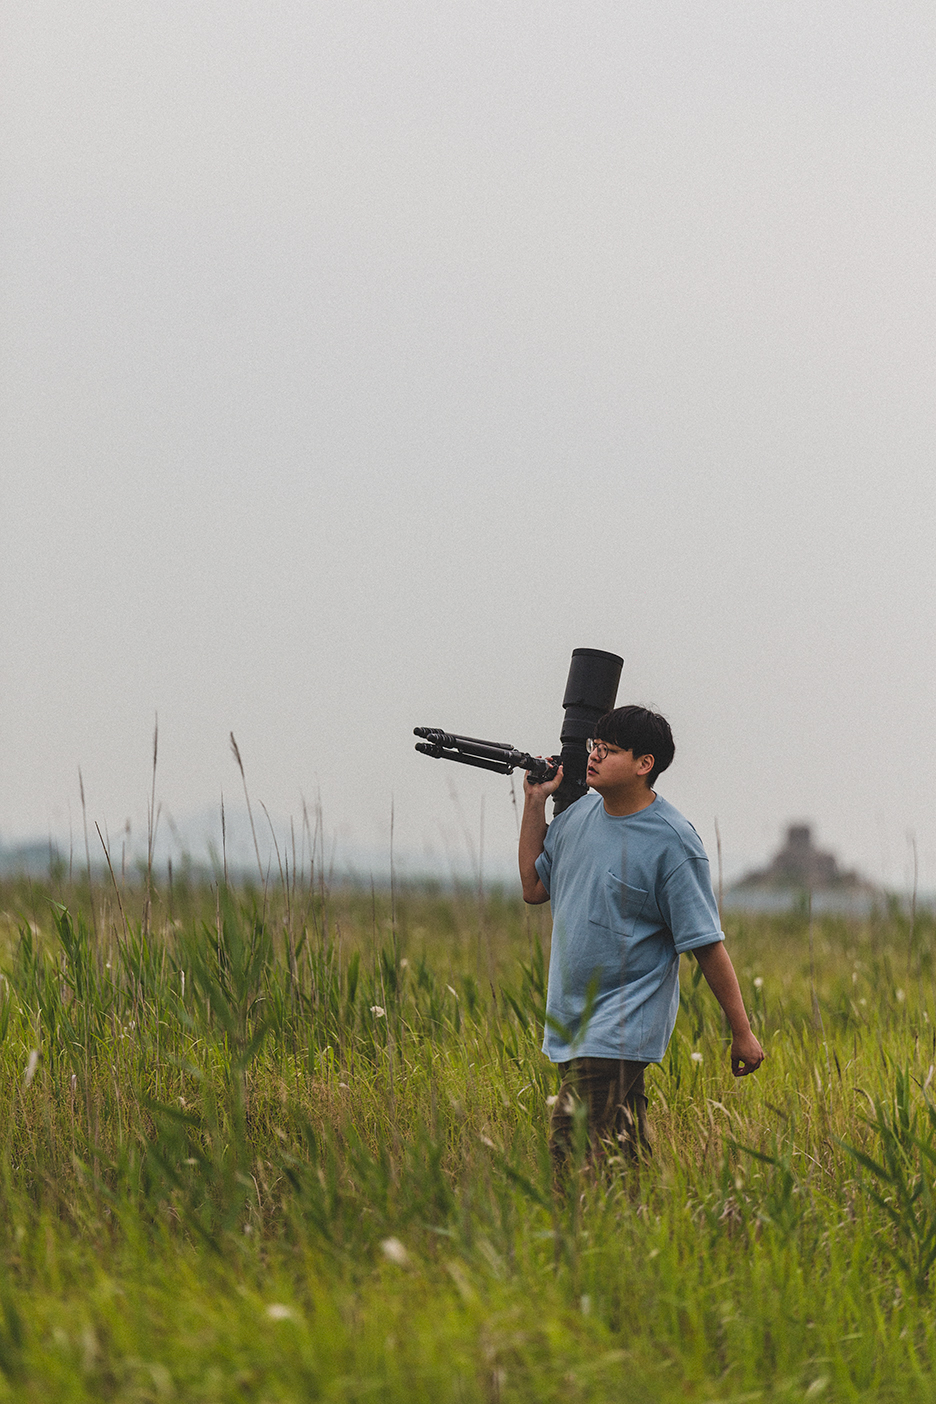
[{"x": 33, "y": 859}]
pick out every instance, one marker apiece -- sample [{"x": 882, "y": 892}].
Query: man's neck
[{"x": 619, "y": 803}]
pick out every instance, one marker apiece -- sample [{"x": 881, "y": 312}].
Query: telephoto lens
[{"x": 591, "y": 690}]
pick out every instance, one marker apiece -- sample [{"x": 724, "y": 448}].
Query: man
[{"x": 630, "y": 889}]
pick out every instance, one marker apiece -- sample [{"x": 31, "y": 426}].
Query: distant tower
[{"x": 800, "y": 864}]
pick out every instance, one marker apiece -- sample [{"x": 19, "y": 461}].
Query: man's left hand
[{"x": 746, "y": 1054}]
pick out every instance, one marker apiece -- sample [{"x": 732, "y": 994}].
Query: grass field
[{"x": 291, "y": 1146}]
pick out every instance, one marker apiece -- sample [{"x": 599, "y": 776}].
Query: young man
[{"x": 630, "y": 889}]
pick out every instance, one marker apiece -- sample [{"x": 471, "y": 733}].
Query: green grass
[{"x": 291, "y": 1146}]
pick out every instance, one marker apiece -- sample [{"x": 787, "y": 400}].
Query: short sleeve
[{"x": 688, "y": 906}]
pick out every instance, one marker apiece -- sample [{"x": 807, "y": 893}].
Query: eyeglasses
[{"x": 598, "y": 749}]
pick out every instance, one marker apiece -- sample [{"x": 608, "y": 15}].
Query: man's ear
[{"x": 645, "y": 764}]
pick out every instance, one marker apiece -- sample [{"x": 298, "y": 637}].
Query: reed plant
[{"x": 287, "y": 1143}]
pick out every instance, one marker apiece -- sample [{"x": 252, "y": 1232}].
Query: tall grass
[{"x": 290, "y": 1144}]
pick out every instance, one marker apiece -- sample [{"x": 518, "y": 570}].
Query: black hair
[{"x": 641, "y": 731}]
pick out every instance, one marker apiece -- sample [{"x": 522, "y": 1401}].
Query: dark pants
[{"x": 616, "y": 1109}]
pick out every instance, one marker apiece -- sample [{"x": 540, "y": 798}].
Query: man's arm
[
  {"x": 746, "y": 1053},
  {"x": 533, "y": 828}
]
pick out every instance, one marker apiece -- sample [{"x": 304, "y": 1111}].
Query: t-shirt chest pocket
[{"x": 618, "y": 905}]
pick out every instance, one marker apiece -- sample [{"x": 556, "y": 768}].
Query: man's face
[{"x": 613, "y": 768}]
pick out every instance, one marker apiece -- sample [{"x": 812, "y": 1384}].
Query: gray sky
[{"x": 363, "y": 359}]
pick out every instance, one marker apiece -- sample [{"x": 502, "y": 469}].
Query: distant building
[{"x": 798, "y": 868}]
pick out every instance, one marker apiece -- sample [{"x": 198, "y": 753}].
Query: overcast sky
[{"x": 363, "y": 359}]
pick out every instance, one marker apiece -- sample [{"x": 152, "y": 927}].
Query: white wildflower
[
  {"x": 758, "y": 982},
  {"x": 900, "y": 996},
  {"x": 696, "y": 1056},
  {"x": 551, "y": 1101},
  {"x": 393, "y": 1249},
  {"x": 276, "y": 1311},
  {"x": 377, "y": 1012}
]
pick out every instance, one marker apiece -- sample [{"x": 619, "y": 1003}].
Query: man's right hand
[{"x": 546, "y": 788}]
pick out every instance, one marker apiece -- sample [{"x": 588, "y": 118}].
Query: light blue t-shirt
[{"x": 628, "y": 895}]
